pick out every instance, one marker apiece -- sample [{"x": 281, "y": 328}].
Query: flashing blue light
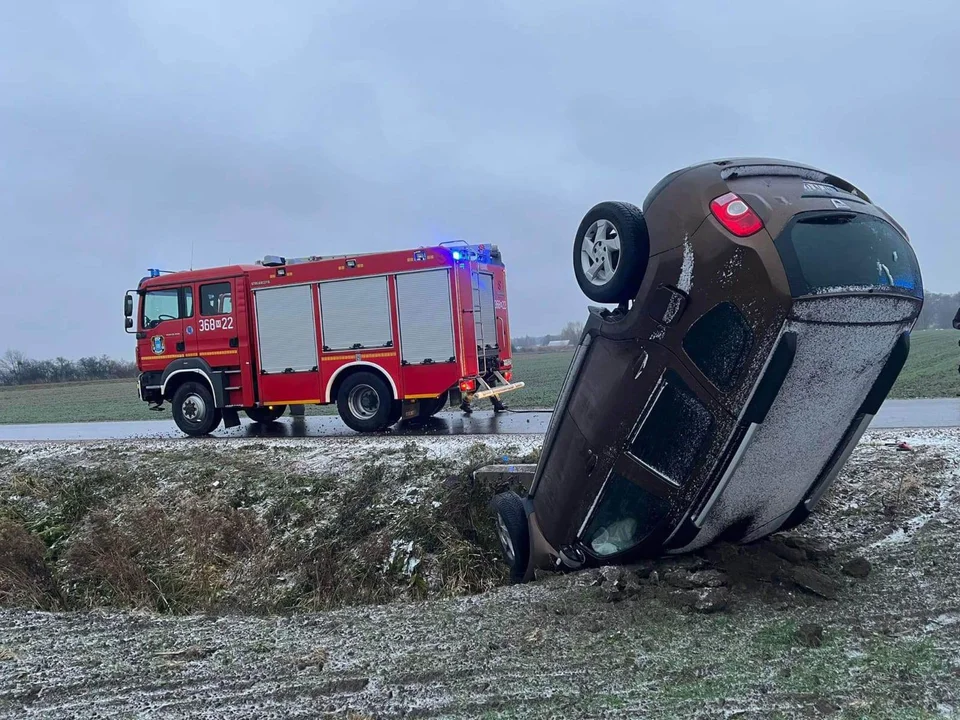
[
  {"x": 456, "y": 255},
  {"x": 154, "y": 272}
]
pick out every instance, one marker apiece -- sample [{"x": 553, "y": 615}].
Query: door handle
[{"x": 181, "y": 347}]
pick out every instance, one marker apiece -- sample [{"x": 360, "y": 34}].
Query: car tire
[
  {"x": 365, "y": 402},
  {"x": 513, "y": 531},
  {"x": 613, "y": 243},
  {"x": 193, "y": 409},
  {"x": 265, "y": 415}
]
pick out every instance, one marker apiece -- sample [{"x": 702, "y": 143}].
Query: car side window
[
  {"x": 672, "y": 438},
  {"x": 719, "y": 343},
  {"x": 626, "y": 515}
]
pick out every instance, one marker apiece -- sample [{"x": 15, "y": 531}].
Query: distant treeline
[
  {"x": 571, "y": 331},
  {"x": 17, "y": 369},
  {"x": 939, "y": 310}
]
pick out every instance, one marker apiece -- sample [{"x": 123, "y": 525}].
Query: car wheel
[
  {"x": 193, "y": 409},
  {"x": 265, "y": 415},
  {"x": 365, "y": 402},
  {"x": 611, "y": 251},
  {"x": 513, "y": 531}
]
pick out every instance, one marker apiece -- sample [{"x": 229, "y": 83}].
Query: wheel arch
[
  {"x": 185, "y": 369},
  {"x": 342, "y": 373}
]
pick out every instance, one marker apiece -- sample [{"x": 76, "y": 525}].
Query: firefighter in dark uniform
[{"x": 498, "y": 406}]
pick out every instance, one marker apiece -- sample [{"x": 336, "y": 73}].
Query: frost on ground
[{"x": 854, "y": 614}]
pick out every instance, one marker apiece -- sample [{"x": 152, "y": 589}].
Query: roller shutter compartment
[
  {"x": 286, "y": 329},
  {"x": 355, "y": 314},
  {"x": 426, "y": 317}
]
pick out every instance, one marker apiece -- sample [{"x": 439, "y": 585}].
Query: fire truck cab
[{"x": 385, "y": 336}]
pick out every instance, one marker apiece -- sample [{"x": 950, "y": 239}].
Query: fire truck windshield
[{"x": 160, "y": 305}]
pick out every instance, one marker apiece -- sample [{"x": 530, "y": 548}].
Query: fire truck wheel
[
  {"x": 513, "y": 532},
  {"x": 611, "y": 251},
  {"x": 431, "y": 406},
  {"x": 364, "y": 402},
  {"x": 193, "y": 409},
  {"x": 396, "y": 412},
  {"x": 265, "y": 415}
]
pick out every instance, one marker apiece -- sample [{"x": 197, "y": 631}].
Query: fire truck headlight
[{"x": 456, "y": 254}]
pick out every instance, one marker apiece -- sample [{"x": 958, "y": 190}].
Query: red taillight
[
  {"x": 735, "y": 215},
  {"x": 468, "y": 385},
  {"x": 508, "y": 375}
]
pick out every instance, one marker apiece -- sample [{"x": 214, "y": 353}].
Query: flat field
[{"x": 931, "y": 372}]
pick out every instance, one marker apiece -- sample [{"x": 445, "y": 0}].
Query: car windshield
[{"x": 835, "y": 252}]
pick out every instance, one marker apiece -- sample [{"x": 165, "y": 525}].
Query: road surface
[{"x": 894, "y": 414}]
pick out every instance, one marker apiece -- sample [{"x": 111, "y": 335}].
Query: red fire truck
[{"x": 385, "y": 336}]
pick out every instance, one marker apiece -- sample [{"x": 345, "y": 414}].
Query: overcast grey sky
[{"x": 133, "y": 132}]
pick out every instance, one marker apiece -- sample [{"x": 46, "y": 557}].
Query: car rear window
[{"x": 824, "y": 252}]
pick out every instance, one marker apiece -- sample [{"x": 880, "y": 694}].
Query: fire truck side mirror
[
  {"x": 128, "y": 323},
  {"x": 128, "y": 307}
]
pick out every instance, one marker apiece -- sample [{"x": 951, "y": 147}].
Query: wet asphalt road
[{"x": 894, "y": 414}]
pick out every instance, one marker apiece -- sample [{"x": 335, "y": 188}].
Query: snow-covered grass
[{"x": 886, "y": 645}]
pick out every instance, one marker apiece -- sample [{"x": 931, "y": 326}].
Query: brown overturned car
[{"x": 764, "y": 311}]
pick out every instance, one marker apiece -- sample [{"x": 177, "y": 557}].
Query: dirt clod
[
  {"x": 679, "y": 579},
  {"x": 708, "y": 578},
  {"x": 816, "y": 582},
  {"x": 815, "y": 550},
  {"x": 791, "y": 554},
  {"x": 705, "y": 600},
  {"x": 859, "y": 568}
]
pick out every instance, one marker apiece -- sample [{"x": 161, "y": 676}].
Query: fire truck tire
[
  {"x": 431, "y": 406},
  {"x": 193, "y": 409},
  {"x": 365, "y": 402},
  {"x": 611, "y": 251},
  {"x": 396, "y": 412},
  {"x": 265, "y": 415}
]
